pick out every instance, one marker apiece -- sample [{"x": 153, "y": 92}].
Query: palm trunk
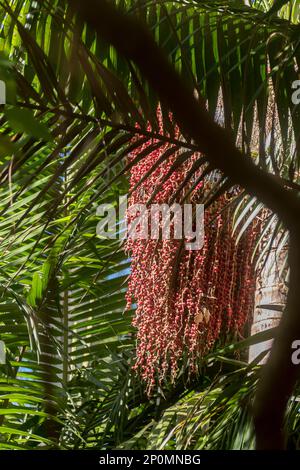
[{"x": 270, "y": 298}]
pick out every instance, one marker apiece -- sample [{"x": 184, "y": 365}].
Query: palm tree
[{"x": 73, "y": 105}]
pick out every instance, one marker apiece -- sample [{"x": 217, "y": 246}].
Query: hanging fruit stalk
[{"x": 211, "y": 293}]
